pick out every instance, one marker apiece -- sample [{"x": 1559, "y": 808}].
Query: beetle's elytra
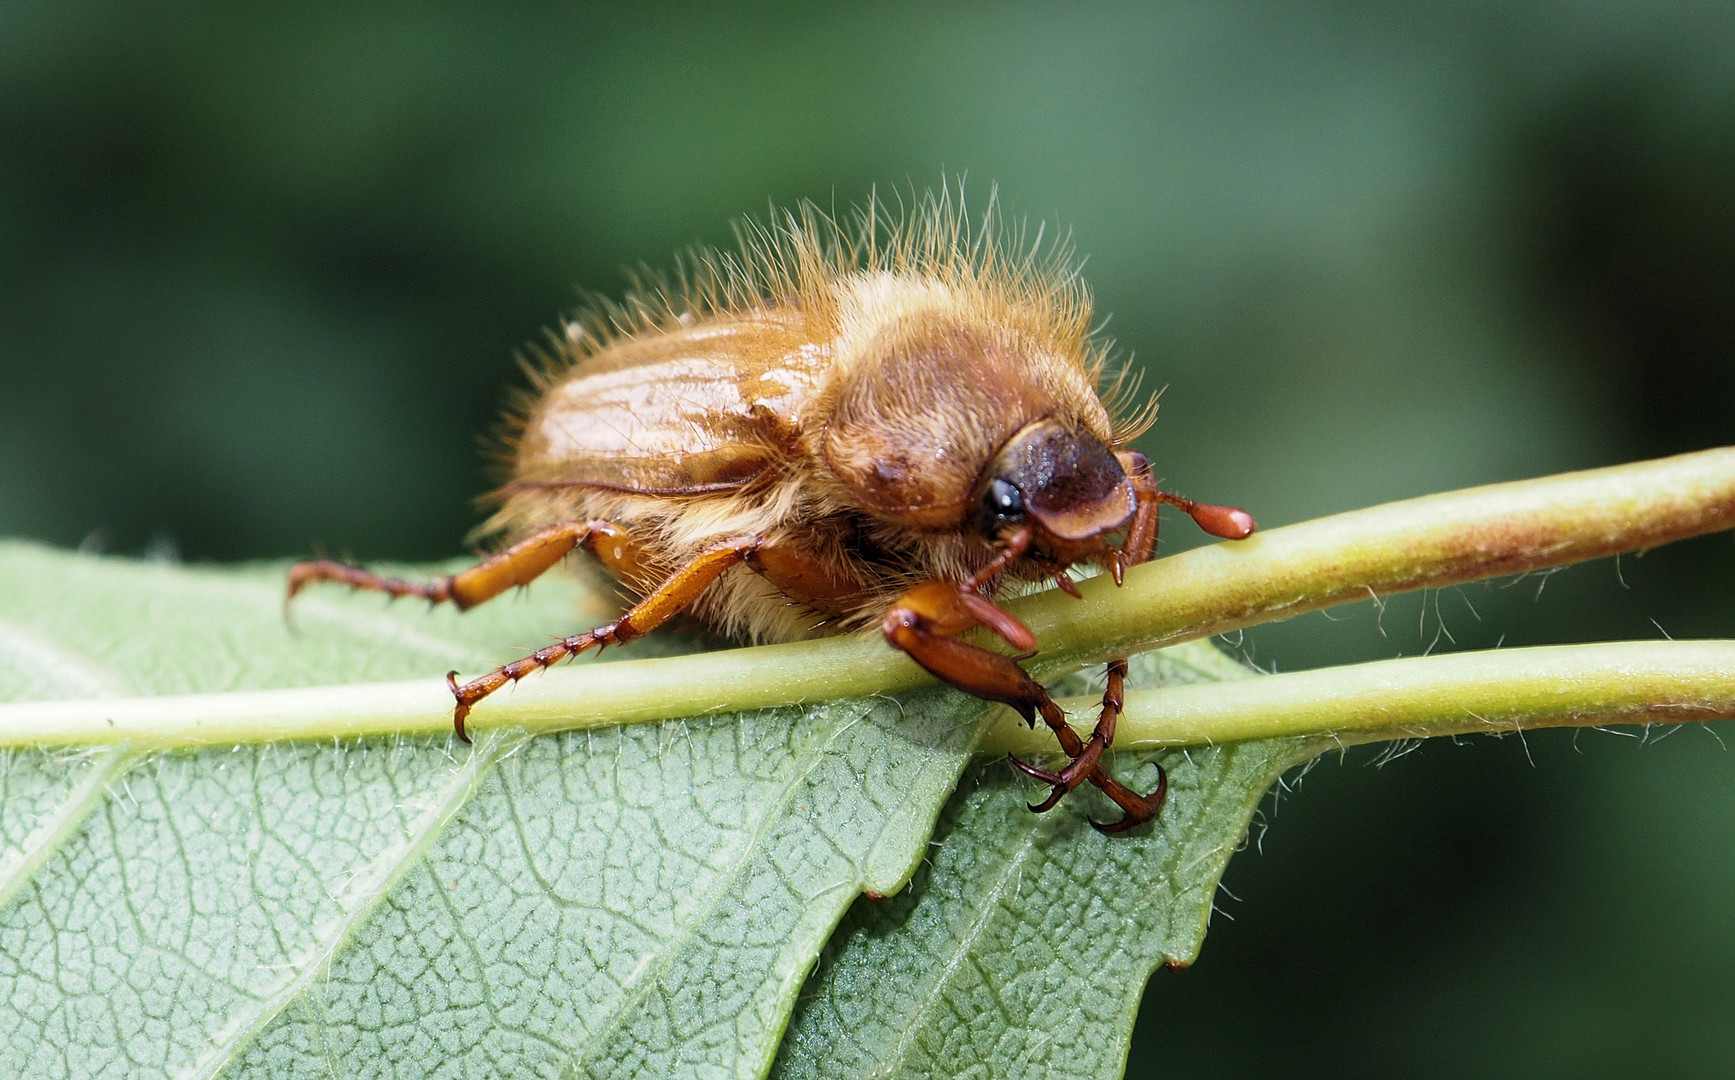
[{"x": 874, "y": 424}]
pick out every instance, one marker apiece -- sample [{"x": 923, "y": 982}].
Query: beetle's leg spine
[
  {"x": 668, "y": 600},
  {"x": 519, "y": 564}
]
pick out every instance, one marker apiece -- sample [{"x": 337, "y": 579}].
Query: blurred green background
[{"x": 263, "y": 273}]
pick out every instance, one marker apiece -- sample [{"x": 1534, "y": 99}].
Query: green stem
[
  {"x": 1421, "y": 543},
  {"x": 1429, "y": 542},
  {"x": 1635, "y": 682}
]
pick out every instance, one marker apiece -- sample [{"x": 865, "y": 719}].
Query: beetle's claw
[
  {"x": 1032, "y": 771},
  {"x": 461, "y": 709},
  {"x": 1049, "y": 803},
  {"x": 1054, "y": 780},
  {"x": 1139, "y": 808},
  {"x": 1130, "y": 820}
]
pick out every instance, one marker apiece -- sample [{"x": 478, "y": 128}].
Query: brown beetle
[{"x": 885, "y": 424}]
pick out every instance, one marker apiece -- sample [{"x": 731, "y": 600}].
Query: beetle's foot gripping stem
[
  {"x": 1086, "y": 764},
  {"x": 922, "y": 624}
]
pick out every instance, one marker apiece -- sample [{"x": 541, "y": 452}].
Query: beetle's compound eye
[{"x": 1002, "y": 504}]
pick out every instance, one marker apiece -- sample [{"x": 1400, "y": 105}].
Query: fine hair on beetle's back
[{"x": 926, "y": 337}]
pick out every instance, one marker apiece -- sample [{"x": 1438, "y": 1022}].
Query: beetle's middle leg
[{"x": 667, "y": 601}]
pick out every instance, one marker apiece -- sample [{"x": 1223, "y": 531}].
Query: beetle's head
[{"x": 1065, "y": 484}]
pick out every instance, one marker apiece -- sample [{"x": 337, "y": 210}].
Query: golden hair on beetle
[
  {"x": 917, "y": 342},
  {"x": 888, "y": 421}
]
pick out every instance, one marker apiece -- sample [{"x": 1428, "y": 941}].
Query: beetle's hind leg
[
  {"x": 668, "y": 600},
  {"x": 519, "y": 564}
]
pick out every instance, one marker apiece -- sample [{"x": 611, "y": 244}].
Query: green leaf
[
  {"x": 1023, "y": 944},
  {"x": 639, "y": 901},
  {"x": 645, "y": 900}
]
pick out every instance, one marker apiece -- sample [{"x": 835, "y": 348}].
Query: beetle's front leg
[
  {"x": 1141, "y": 541},
  {"x": 924, "y": 623},
  {"x": 1086, "y": 764}
]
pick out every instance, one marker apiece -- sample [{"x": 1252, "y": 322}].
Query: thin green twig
[
  {"x": 1630, "y": 682},
  {"x": 1422, "y": 543}
]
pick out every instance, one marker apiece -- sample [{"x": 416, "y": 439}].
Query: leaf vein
[
  {"x": 1011, "y": 869},
  {"x": 388, "y": 868},
  {"x": 638, "y": 987},
  {"x": 42, "y": 844}
]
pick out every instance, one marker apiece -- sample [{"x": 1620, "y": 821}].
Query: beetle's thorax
[{"x": 930, "y": 381}]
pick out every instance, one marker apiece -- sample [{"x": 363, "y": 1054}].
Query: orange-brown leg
[
  {"x": 519, "y": 564},
  {"x": 924, "y": 623},
  {"x": 921, "y": 624},
  {"x": 1141, "y": 540},
  {"x": 804, "y": 574},
  {"x": 670, "y": 598},
  {"x": 1086, "y": 763},
  {"x": 623, "y": 555}
]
